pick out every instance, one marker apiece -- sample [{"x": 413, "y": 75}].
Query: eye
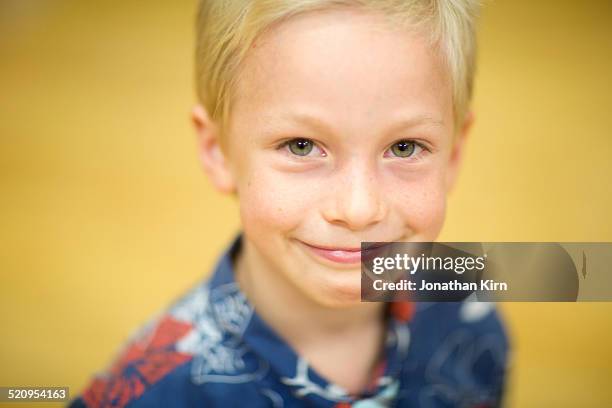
[
  {"x": 405, "y": 148},
  {"x": 301, "y": 147}
]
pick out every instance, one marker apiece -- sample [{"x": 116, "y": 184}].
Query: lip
[{"x": 345, "y": 256}]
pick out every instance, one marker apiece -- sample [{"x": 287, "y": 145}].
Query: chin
[
  {"x": 338, "y": 296},
  {"x": 337, "y": 303},
  {"x": 328, "y": 286}
]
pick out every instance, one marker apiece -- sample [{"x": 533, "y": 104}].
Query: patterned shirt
[{"x": 209, "y": 348}]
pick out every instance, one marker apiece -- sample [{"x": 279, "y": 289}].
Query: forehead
[{"x": 347, "y": 67}]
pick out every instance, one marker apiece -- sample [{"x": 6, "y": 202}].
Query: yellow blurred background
[{"x": 107, "y": 216}]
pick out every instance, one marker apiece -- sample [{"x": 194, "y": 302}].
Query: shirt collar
[{"x": 293, "y": 370}]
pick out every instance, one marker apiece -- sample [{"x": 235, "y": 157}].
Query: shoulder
[
  {"x": 147, "y": 362},
  {"x": 152, "y": 361},
  {"x": 186, "y": 355}
]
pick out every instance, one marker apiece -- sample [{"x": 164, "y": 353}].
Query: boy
[{"x": 333, "y": 122}]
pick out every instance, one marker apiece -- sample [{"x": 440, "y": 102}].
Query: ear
[
  {"x": 212, "y": 156},
  {"x": 456, "y": 155}
]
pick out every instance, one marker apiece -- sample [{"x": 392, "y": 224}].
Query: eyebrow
[
  {"x": 418, "y": 120},
  {"x": 319, "y": 124}
]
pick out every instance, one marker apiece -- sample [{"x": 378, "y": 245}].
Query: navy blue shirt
[{"x": 211, "y": 349}]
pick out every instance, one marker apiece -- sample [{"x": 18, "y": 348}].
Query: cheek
[
  {"x": 271, "y": 202},
  {"x": 421, "y": 204}
]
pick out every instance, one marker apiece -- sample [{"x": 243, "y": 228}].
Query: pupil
[{"x": 302, "y": 144}]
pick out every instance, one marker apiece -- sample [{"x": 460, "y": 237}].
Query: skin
[{"x": 354, "y": 86}]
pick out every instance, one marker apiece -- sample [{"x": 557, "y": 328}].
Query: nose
[{"x": 356, "y": 201}]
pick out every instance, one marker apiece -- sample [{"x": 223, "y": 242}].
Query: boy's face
[{"x": 341, "y": 131}]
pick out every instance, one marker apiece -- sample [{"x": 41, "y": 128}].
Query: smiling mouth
[{"x": 347, "y": 256}]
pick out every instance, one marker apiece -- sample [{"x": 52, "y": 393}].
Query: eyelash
[{"x": 285, "y": 145}]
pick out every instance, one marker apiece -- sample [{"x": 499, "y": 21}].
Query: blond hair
[{"x": 226, "y": 30}]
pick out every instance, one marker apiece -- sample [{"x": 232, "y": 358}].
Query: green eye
[
  {"x": 404, "y": 148},
  {"x": 300, "y": 147}
]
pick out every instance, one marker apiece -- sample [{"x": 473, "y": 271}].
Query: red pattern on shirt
[
  {"x": 145, "y": 361},
  {"x": 402, "y": 310}
]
